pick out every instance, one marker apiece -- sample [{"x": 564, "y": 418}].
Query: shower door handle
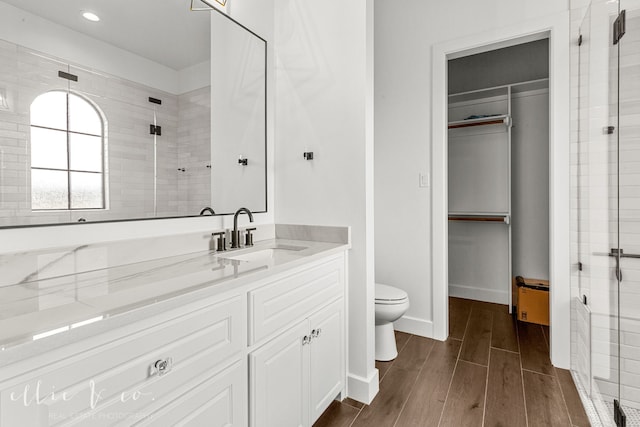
[
  {"x": 618, "y": 269},
  {"x": 617, "y": 254}
]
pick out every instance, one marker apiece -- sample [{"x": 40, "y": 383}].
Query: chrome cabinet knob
[
  {"x": 306, "y": 340},
  {"x": 161, "y": 367}
]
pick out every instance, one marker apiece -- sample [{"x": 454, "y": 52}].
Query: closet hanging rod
[
  {"x": 480, "y": 218},
  {"x": 483, "y": 121}
]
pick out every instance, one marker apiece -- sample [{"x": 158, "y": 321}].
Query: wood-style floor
[{"x": 492, "y": 371}]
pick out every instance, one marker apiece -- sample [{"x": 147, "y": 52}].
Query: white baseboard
[
  {"x": 479, "y": 294},
  {"x": 415, "y": 326},
  {"x": 363, "y": 389}
]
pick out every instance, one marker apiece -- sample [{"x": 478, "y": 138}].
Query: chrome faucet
[
  {"x": 235, "y": 234},
  {"x": 207, "y": 209}
]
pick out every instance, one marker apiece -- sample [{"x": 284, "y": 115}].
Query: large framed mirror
[{"x": 139, "y": 110}]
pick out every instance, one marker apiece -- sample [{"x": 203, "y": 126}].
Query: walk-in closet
[{"x": 498, "y": 174}]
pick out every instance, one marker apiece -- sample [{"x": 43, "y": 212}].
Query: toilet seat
[{"x": 389, "y": 295}]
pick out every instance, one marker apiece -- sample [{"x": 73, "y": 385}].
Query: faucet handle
[
  {"x": 235, "y": 239},
  {"x": 222, "y": 241},
  {"x": 248, "y": 238}
]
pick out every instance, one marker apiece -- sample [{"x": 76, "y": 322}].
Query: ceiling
[{"x": 164, "y": 31}]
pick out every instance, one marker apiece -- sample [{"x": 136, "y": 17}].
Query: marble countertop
[{"x": 51, "y": 311}]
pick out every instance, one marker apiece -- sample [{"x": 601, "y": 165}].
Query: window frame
[{"x": 68, "y": 133}]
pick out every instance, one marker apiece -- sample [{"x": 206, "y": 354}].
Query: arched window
[{"x": 67, "y": 153}]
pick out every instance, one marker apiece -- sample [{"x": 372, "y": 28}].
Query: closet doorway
[
  {"x": 498, "y": 178},
  {"x": 556, "y": 30}
]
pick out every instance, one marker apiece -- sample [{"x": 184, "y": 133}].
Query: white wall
[
  {"x": 257, "y": 14},
  {"x": 530, "y": 185},
  {"x": 237, "y": 117},
  {"x": 405, "y": 38},
  {"x": 324, "y": 104}
]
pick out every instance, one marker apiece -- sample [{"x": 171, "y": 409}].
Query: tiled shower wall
[
  {"x": 594, "y": 201},
  {"x": 194, "y": 132},
  {"x": 143, "y": 177}
]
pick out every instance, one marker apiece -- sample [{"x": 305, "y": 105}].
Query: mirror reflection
[{"x": 136, "y": 115}]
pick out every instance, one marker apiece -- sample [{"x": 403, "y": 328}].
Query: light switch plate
[{"x": 424, "y": 180}]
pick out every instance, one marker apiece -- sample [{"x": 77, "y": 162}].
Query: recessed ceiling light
[{"x": 90, "y": 16}]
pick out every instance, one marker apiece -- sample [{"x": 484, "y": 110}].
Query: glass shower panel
[
  {"x": 627, "y": 56},
  {"x": 602, "y": 210},
  {"x": 606, "y": 283},
  {"x": 129, "y": 150},
  {"x": 596, "y": 311},
  {"x": 580, "y": 313}
]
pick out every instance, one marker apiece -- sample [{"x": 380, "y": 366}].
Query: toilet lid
[{"x": 385, "y": 293}]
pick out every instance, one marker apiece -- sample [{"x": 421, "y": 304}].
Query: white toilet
[{"x": 391, "y": 304}]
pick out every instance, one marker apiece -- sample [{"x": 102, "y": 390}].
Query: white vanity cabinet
[
  {"x": 173, "y": 369},
  {"x": 268, "y": 351},
  {"x": 295, "y": 376},
  {"x": 296, "y": 373}
]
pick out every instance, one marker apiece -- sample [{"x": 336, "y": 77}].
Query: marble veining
[
  {"x": 34, "y": 275},
  {"x": 22, "y": 267}
]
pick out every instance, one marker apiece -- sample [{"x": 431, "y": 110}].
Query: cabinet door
[
  {"x": 279, "y": 390},
  {"x": 326, "y": 357}
]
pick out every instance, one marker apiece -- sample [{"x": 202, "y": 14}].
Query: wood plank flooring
[{"x": 492, "y": 372}]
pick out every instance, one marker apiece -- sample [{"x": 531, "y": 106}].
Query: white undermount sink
[{"x": 276, "y": 253}]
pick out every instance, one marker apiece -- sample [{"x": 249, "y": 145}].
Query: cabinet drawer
[
  {"x": 281, "y": 303},
  {"x": 113, "y": 382},
  {"x": 218, "y": 401}
]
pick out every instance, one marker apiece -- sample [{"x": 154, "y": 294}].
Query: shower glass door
[
  {"x": 626, "y": 88},
  {"x": 599, "y": 134},
  {"x": 606, "y": 282}
]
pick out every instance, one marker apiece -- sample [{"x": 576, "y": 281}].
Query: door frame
[{"x": 556, "y": 29}]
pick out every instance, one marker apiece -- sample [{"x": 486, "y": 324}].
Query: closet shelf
[
  {"x": 480, "y": 218},
  {"x": 483, "y": 121}
]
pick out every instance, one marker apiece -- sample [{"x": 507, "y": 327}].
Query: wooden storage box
[{"x": 533, "y": 301}]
